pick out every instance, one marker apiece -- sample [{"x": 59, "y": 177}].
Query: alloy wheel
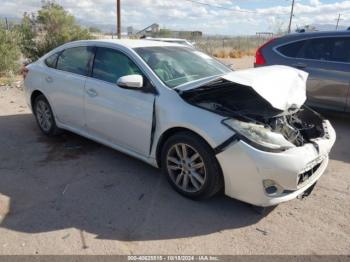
[
  {"x": 44, "y": 115},
  {"x": 186, "y": 167}
]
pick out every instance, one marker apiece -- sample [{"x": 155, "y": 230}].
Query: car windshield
[{"x": 178, "y": 65}]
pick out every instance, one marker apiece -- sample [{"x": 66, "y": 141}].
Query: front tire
[
  {"x": 190, "y": 166},
  {"x": 44, "y": 116}
]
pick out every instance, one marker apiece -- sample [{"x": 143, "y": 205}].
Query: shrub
[{"x": 9, "y": 52}]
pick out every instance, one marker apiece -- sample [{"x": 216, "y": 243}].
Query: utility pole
[
  {"x": 118, "y": 18},
  {"x": 291, "y": 16},
  {"x": 7, "y": 24},
  {"x": 338, "y": 19}
]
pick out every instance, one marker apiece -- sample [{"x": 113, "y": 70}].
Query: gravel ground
[
  {"x": 69, "y": 195},
  {"x": 240, "y": 63}
]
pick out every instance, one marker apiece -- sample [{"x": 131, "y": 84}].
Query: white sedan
[{"x": 208, "y": 128}]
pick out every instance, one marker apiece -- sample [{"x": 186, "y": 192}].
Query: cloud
[
  {"x": 182, "y": 14},
  {"x": 315, "y": 2}
]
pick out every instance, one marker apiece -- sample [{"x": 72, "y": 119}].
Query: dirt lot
[
  {"x": 68, "y": 195},
  {"x": 240, "y": 63}
]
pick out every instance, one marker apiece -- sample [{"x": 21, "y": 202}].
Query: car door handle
[
  {"x": 49, "y": 79},
  {"x": 300, "y": 65},
  {"x": 91, "y": 92}
]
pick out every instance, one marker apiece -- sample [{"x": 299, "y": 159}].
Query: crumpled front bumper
[{"x": 245, "y": 169}]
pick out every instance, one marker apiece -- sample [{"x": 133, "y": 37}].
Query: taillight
[
  {"x": 259, "y": 57},
  {"x": 25, "y": 72}
]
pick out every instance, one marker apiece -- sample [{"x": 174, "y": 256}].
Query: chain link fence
[{"x": 230, "y": 47}]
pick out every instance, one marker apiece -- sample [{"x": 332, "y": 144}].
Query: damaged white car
[{"x": 208, "y": 128}]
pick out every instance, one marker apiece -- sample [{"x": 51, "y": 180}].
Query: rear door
[
  {"x": 66, "y": 83},
  {"x": 328, "y": 60},
  {"x": 120, "y": 116}
]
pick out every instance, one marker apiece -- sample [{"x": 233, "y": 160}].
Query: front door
[{"x": 120, "y": 116}]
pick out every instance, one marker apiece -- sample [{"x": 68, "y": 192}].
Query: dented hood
[{"x": 281, "y": 86}]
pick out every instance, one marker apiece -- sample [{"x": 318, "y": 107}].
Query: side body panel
[
  {"x": 347, "y": 109},
  {"x": 328, "y": 82},
  {"x": 173, "y": 112},
  {"x": 66, "y": 92},
  {"x": 119, "y": 115}
]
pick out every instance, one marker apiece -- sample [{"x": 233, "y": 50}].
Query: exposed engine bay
[{"x": 297, "y": 125}]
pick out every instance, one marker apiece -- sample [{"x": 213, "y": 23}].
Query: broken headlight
[{"x": 259, "y": 136}]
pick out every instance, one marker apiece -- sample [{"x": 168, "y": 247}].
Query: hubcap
[
  {"x": 186, "y": 167},
  {"x": 43, "y": 115}
]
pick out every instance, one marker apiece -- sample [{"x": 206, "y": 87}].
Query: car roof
[
  {"x": 316, "y": 34},
  {"x": 167, "y": 39},
  {"x": 129, "y": 43},
  {"x": 125, "y": 43}
]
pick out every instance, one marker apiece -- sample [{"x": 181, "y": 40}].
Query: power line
[{"x": 222, "y": 7}]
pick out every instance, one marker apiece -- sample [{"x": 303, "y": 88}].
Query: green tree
[
  {"x": 9, "y": 51},
  {"x": 27, "y": 35},
  {"x": 51, "y": 27}
]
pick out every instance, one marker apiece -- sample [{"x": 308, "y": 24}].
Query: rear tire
[
  {"x": 44, "y": 116},
  {"x": 191, "y": 166}
]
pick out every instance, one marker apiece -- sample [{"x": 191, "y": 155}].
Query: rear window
[
  {"x": 75, "y": 60},
  {"x": 335, "y": 49},
  {"x": 293, "y": 49},
  {"x": 51, "y": 60}
]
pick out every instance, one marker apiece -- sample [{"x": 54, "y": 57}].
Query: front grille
[{"x": 303, "y": 177}]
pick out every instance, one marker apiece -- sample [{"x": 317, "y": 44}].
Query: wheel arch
[
  {"x": 33, "y": 96},
  {"x": 170, "y": 132}
]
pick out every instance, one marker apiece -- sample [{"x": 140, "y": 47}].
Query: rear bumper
[
  {"x": 245, "y": 169},
  {"x": 27, "y": 95}
]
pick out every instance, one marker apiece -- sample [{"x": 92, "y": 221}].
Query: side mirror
[{"x": 130, "y": 81}]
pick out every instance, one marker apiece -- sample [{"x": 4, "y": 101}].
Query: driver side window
[{"x": 110, "y": 65}]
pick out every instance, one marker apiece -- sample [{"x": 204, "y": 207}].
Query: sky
[{"x": 240, "y": 17}]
